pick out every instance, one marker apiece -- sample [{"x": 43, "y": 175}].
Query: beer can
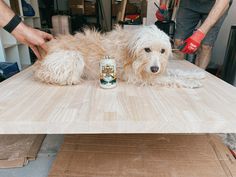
[{"x": 108, "y": 72}]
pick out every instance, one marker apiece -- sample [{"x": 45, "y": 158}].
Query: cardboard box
[
  {"x": 75, "y": 2},
  {"x": 76, "y": 6},
  {"x": 17, "y": 150},
  {"x": 130, "y": 9},
  {"x": 77, "y": 11},
  {"x": 143, "y": 156},
  {"x": 89, "y": 8}
]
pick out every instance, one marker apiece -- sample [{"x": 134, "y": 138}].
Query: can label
[{"x": 107, "y": 72}]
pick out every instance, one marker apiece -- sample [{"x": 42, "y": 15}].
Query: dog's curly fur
[{"x": 73, "y": 58}]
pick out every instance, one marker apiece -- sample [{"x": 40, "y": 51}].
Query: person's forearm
[
  {"x": 216, "y": 12},
  {"x": 6, "y": 13}
]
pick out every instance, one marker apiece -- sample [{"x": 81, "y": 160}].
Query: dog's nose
[{"x": 154, "y": 69}]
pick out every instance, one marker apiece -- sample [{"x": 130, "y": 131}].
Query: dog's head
[{"x": 148, "y": 50}]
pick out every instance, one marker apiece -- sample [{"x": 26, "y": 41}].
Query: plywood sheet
[{"x": 28, "y": 106}]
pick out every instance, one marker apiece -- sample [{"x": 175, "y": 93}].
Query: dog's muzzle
[{"x": 154, "y": 69}]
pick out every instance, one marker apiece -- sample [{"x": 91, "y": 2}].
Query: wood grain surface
[{"x": 28, "y": 106}]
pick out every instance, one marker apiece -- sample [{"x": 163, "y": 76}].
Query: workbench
[{"x": 29, "y": 106}]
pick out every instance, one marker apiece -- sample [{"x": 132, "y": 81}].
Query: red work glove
[
  {"x": 193, "y": 42},
  {"x": 160, "y": 15}
]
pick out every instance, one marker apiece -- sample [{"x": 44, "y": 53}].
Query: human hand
[
  {"x": 192, "y": 43},
  {"x": 34, "y": 38},
  {"x": 160, "y": 13}
]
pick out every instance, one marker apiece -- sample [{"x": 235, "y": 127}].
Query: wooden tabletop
[{"x": 28, "y": 106}]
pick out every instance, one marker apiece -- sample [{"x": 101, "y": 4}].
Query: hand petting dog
[{"x": 34, "y": 38}]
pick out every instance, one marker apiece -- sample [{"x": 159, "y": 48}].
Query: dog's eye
[
  {"x": 163, "y": 50},
  {"x": 147, "y": 50}
]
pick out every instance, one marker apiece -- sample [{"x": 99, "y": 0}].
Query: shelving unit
[{"x": 10, "y": 49}]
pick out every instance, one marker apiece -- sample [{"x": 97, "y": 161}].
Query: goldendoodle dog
[{"x": 141, "y": 56}]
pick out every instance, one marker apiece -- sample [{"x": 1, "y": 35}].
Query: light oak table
[{"x": 28, "y": 106}]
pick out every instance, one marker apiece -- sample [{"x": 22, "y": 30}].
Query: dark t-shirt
[{"x": 201, "y": 6}]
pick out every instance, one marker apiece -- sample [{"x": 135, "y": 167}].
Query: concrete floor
[
  {"x": 229, "y": 140},
  {"x": 41, "y": 166}
]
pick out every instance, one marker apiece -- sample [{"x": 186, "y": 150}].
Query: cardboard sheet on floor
[
  {"x": 143, "y": 156},
  {"x": 17, "y": 150}
]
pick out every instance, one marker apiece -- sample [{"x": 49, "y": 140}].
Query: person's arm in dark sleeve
[{"x": 32, "y": 37}]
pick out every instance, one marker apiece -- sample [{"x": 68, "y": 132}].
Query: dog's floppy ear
[
  {"x": 129, "y": 57},
  {"x": 136, "y": 42},
  {"x": 132, "y": 48}
]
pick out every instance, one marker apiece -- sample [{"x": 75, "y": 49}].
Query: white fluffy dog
[{"x": 141, "y": 55}]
